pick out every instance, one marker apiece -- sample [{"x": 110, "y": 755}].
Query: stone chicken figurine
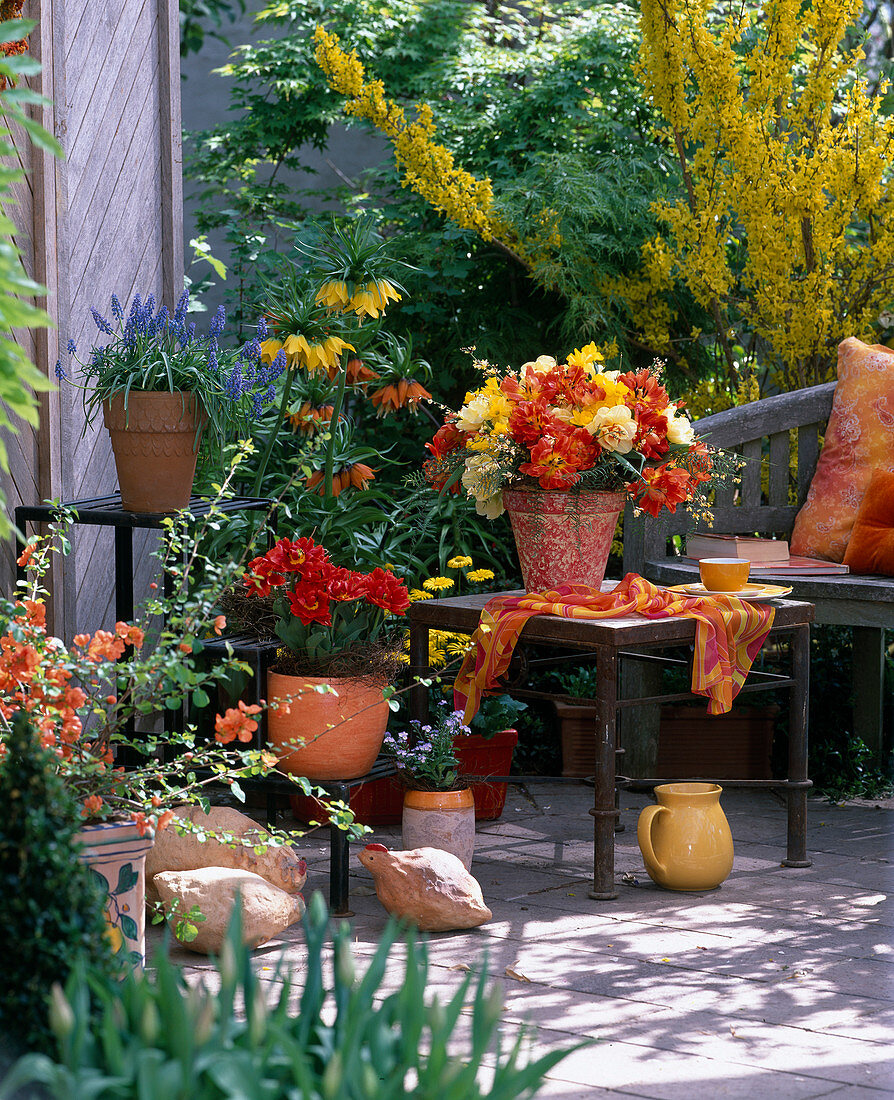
[{"x": 426, "y": 886}]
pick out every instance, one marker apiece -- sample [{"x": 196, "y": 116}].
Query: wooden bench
[{"x": 765, "y": 433}]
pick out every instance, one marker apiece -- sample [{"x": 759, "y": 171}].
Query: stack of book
[{"x": 765, "y": 555}]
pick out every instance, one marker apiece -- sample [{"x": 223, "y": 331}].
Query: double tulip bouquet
[
  {"x": 324, "y": 613},
  {"x": 571, "y": 425}
]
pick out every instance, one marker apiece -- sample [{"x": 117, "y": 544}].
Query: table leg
[
  {"x": 604, "y": 811},
  {"x": 338, "y": 857},
  {"x": 419, "y": 669},
  {"x": 798, "y": 783}
]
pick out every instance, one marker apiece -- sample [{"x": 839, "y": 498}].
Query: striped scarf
[{"x": 729, "y": 633}]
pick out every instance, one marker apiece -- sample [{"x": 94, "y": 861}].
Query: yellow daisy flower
[
  {"x": 418, "y": 594},
  {"x": 480, "y": 575},
  {"x": 461, "y": 561},
  {"x": 437, "y": 584}
]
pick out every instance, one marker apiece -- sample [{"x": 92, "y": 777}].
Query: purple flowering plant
[
  {"x": 154, "y": 350},
  {"x": 425, "y": 754}
]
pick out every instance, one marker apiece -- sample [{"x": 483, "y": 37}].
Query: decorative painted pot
[
  {"x": 116, "y": 852},
  {"x": 686, "y": 840},
  {"x": 562, "y": 537},
  {"x": 440, "y": 819},
  {"x": 340, "y": 731},
  {"x": 155, "y": 443}
]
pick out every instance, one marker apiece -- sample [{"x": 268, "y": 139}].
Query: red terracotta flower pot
[
  {"x": 155, "y": 443},
  {"x": 341, "y": 731},
  {"x": 562, "y": 537},
  {"x": 487, "y": 756}
]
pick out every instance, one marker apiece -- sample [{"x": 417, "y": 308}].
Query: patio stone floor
[{"x": 778, "y": 984}]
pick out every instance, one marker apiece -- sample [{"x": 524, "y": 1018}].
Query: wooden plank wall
[{"x": 107, "y": 220}]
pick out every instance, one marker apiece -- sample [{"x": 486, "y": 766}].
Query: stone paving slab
[{"x": 779, "y": 984}]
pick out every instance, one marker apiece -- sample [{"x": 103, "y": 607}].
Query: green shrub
[
  {"x": 157, "y": 1039},
  {"x": 52, "y": 905}
]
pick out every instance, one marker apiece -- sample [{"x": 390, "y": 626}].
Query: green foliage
[
  {"x": 539, "y": 98},
  {"x": 348, "y": 1037},
  {"x": 20, "y": 379},
  {"x": 840, "y": 764},
  {"x": 199, "y": 18},
  {"x": 496, "y": 713},
  {"x": 52, "y": 906}
]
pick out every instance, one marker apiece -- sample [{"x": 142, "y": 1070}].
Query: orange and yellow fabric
[
  {"x": 859, "y": 440},
  {"x": 729, "y": 634},
  {"x": 871, "y": 545}
]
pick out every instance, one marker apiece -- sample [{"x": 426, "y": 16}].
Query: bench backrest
[{"x": 762, "y": 432}]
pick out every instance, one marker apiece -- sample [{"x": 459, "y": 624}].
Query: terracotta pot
[
  {"x": 686, "y": 840},
  {"x": 562, "y": 537},
  {"x": 484, "y": 756},
  {"x": 440, "y": 819},
  {"x": 116, "y": 853},
  {"x": 342, "y": 730},
  {"x": 155, "y": 443}
]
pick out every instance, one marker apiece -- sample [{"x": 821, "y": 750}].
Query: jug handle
[{"x": 644, "y": 835}]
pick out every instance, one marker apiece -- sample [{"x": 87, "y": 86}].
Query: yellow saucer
[{"x": 749, "y": 592}]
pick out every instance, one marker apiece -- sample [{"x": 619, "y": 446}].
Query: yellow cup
[{"x": 724, "y": 574}]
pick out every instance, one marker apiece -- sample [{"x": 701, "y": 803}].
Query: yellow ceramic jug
[{"x": 686, "y": 840}]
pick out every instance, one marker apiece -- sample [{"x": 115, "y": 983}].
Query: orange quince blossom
[
  {"x": 220, "y": 623},
  {"x": 25, "y": 556},
  {"x": 130, "y": 634},
  {"x": 406, "y": 392},
  {"x": 104, "y": 645},
  {"x": 142, "y": 823},
  {"x": 81, "y": 640},
  {"x": 166, "y": 818},
  {"x": 236, "y": 722},
  {"x": 91, "y": 806}
]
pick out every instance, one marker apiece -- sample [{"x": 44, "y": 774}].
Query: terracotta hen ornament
[{"x": 426, "y": 886}]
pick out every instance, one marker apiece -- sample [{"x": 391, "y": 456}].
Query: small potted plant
[
  {"x": 160, "y": 386},
  {"x": 329, "y": 685},
  {"x": 439, "y": 808}
]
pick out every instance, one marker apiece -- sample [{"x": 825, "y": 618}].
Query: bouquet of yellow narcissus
[{"x": 572, "y": 426}]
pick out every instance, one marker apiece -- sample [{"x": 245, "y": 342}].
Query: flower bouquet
[{"x": 569, "y": 440}]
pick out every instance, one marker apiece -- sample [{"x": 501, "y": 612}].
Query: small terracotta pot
[
  {"x": 155, "y": 443},
  {"x": 342, "y": 730},
  {"x": 116, "y": 853},
  {"x": 562, "y": 537},
  {"x": 440, "y": 819}
]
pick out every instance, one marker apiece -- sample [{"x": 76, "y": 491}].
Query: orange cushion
[
  {"x": 871, "y": 546},
  {"x": 859, "y": 439}
]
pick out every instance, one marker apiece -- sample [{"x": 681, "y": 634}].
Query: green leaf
[{"x": 127, "y": 879}]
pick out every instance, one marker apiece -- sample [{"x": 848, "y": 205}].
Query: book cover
[
  {"x": 736, "y": 546},
  {"x": 800, "y": 565}
]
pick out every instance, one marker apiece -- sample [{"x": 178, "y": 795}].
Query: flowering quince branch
[
  {"x": 573, "y": 426},
  {"x": 82, "y": 696}
]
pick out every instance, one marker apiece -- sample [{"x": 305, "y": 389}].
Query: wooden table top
[{"x": 461, "y": 613}]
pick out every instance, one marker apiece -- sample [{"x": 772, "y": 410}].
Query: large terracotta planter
[
  {"x": 116, "y": 852},
  {"x": 686, "y": 840},
  {"x": 155, "y": 443},
  {"x": 562, "y": 537},
  {"x": 440, "y": 819},
  {"x": 341, "y": 731}
]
